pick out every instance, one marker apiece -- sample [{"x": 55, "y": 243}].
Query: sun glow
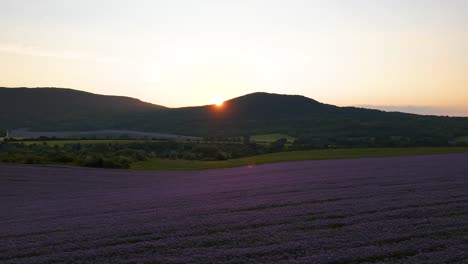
[{"x": 218, "y": 101}]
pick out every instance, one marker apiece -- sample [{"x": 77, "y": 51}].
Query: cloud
[{"x": 35, "y": 51}]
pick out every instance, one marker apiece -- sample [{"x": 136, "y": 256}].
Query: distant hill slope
[
  {"x": 258, "y": 113},
  {"x": 49, "y": 107}
]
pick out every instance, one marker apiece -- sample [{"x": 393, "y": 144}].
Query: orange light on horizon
[{"x": 218, "y": 101}]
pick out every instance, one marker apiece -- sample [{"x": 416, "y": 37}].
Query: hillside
[
  {"x": 50, "y": 108},
  {"x": 262, "y": 113},
  {"x": 258, "y": 113}
]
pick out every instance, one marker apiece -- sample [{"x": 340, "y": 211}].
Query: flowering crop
[{"x": 384, "y": 210}]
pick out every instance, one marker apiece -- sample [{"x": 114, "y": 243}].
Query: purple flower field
[{"x": 385, "y": 210}]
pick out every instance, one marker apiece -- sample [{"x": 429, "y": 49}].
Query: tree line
[{"x": 121, "y": 155}]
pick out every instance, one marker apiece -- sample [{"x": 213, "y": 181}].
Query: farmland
[
  {"x": 462, "y": 139},
  {"x": 268, "y": 138},
  {"x": 371, "y": 210},
  {"x": 324, "y": 154}
]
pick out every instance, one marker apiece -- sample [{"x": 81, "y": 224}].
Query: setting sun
[{"x": 218, "y": 101}]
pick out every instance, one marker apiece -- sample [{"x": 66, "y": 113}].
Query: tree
[{"x": 278, "y": 145}]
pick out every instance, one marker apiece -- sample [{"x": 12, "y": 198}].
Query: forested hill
[{"x": 54, "y": 109}]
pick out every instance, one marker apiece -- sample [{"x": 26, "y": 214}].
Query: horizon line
[{"x": 426, "y": 110}]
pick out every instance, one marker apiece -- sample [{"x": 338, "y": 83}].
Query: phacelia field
[{"x": 380, "y": 210}]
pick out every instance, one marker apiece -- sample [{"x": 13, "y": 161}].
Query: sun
[{"x": 218, "y": 101}]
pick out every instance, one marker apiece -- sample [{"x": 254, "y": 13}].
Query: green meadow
[
  {"x": 180, "y": 164},
  {"x": 268, "y": 138},
  {"x": 462, "y": 139}
]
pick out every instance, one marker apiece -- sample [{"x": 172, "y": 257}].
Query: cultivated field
[
  {"x": 321, "y": 154},
  {"x": 373, "y": 210},
  {"x": 268, "y": 138},
  {"x": 462, "y": 139}
]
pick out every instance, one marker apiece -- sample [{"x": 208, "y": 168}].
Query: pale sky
[{"x": 411, "y": 54}]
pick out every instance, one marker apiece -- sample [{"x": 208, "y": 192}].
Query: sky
[{"x": 392, "y": 54}]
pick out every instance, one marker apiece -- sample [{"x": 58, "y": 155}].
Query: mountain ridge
[
  {"x": 249, "y": 114},
  {"x": 28, "y": 91}
]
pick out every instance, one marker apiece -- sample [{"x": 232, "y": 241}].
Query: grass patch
[
  {"x": 462, "y": 139},
  {"x": 268, "y": 138},
  {"x": 168, "y": 164}
]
